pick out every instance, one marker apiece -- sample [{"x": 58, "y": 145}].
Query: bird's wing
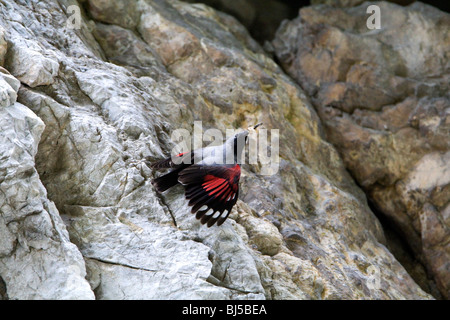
[
  {"x": 211, "y": 190},
  {"x": 181, "y": 158}
]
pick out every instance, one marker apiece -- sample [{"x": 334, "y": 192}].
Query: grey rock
[
  {"x": 8, "y": 88},
  {"x": 30, "y": 66},
  {"x": 305, "y": 232},
  {"x": 37, "y": 260},
  {"x": 383, "y": 98}
]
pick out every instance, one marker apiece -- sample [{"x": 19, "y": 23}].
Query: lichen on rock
[
  {"x": 383, "y": 98},
  {"x": 110, "y": 93}
]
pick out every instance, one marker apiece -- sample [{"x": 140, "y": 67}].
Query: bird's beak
[{"x": 253, "y": 128}]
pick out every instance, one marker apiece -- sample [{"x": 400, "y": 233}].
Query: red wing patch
[{"x": 212, "y": 191}]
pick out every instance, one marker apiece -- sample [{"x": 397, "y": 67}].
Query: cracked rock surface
[
  {"x": 82, "y": 109},
  {"x": 383, "y": 96},
  {"x": 37, "y": 260}
]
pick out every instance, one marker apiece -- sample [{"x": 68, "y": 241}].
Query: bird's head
[
  {"x": 251, "y": 129},
  {"x": 242, "y": 136},
  {"x": 237, "y": 143}
]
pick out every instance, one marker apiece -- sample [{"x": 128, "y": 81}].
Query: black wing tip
[
  {"x": 211, "y": 204},
  {"x": 208, "y": 219},
  {"x": 221, "y": 219}
]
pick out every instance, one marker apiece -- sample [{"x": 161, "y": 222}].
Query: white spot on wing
[{"x": 224, "y": 214}]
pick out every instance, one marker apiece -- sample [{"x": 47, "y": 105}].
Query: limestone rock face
[
  {"x": 383, "y": 96},
  {"x": 110, "y": 92},
  {"x": 37, "y": 260}
]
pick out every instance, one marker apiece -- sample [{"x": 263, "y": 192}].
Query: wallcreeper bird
[{"x": 210, "y": 177}]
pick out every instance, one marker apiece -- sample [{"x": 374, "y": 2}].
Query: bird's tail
[{"x": 166, "y": 181}]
